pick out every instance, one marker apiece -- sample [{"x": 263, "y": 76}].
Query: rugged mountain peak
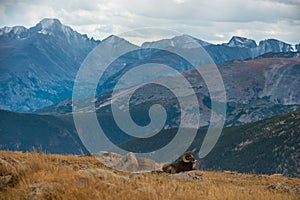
[
  {"x": 48, "y": 23},
  {"x": 52, "y": 27},
  {"x": 237, "y": 41},
  {"x": 48, "y": 26},
  {"x": 113, "y": 40},
  {"x": 186, "y": 40}
]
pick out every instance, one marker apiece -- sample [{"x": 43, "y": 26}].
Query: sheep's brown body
[{"x": 186, "y": 164}]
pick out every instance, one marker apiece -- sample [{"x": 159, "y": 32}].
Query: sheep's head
[{"x": 188, "y": 157}]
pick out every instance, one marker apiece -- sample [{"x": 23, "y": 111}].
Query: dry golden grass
[{"x": 41, "y": 176}]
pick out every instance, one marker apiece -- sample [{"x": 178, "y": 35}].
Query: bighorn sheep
[{"x": 186, "y": 164}]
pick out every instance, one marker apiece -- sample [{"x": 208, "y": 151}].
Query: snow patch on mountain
[
  {"x": 53, "y": 27},
  {"x": 48, "y": 23}
]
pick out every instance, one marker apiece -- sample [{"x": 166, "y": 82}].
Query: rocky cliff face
[
  {"x": 236, "y": 41},
  {"x": 297, "y": 47},
  {"x": 128, "y": 162},
  {"x": 272, "y": 45}
]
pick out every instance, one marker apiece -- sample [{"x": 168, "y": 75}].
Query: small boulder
[
  {"x": 109, "y": 159},
  {"x": 194, "y": 175},
  {"x": 129, "y": 163},
  {"x": 145, "y": 164}
]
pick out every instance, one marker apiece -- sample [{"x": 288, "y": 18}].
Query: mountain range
[{"x": 38, "y": 65}]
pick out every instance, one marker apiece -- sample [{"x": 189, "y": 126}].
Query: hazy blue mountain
[
  {"x": 38, "y": 65},
  {"x": 238, "y": 48}
]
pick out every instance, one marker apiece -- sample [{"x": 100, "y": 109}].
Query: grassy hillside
[
  {"x": 268, "y": 146},
  {"x": 50, "y": 133},
  {"x": 40, "y": 176}
]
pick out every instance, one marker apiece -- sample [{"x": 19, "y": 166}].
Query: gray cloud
[{"x": 211, "y": 20}]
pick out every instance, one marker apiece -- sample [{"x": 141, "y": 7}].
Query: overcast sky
[{"x": 210, "y": 20}]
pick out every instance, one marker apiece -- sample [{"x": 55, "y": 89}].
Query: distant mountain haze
[{"x": 38, "y": 65}]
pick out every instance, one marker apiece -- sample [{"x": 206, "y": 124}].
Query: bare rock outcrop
[{"x": 128, "y": 163}]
